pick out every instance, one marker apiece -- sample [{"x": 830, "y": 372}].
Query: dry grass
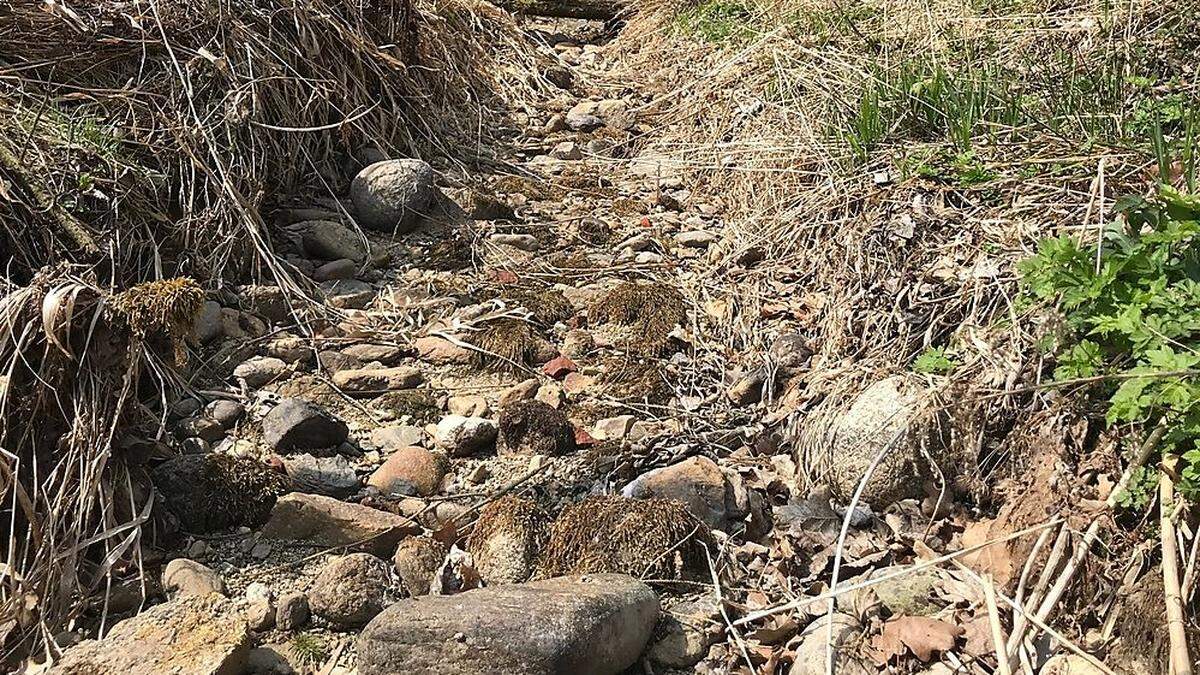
[
  {"x": 141, "y": 141},
  {"x": 892, "y": 160}
]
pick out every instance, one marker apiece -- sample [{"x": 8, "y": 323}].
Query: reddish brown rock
[
  {"x": 411, "y": 470},
  {"x": 559, "y": 366}
]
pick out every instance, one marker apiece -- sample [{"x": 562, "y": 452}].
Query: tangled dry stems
[{"x": 141, "y": 141}]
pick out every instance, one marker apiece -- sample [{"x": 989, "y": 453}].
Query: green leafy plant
[
  {"x": 1137, "y": 494},
  {"x": 1134, "y": 308},
  {"x": 934, "y": 361},
  {"x": 716, "y": 21}
]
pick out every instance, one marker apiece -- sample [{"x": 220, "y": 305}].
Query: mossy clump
[
  {"x": 535, "y": 428},
  {"x": 214, "y": 491},
  {"x": 416, "y": 404},
  {"x": 164, "y": 308},
  {"x": 507, "y": 344},
  {"x": 507, "y": 540},
  {"x": 650, "y": 310},
  {"x": 548, "y": 306},
  {"x": 638, "y": 379},
  {"x": 644, "y": 538}
]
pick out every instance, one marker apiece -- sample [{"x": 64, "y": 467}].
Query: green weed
[
  {"x": 934, "y": 361},
  {"x": 310, "y": 649},
  {"x": 1134, "y": 309},
  {"x": 716, "y": 21}
]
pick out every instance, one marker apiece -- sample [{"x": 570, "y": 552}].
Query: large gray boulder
[
  {"x": 295, "y": 424},
  {"x": 200, "y": 635},
  {"x": 390, "y": 195},
  {"x": 585, "y": 625}
]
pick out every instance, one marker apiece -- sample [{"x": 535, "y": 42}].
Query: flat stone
[
  {"x": 522, "y": 391},
  {"x": 331, "y": 240},
  {"x": 260, "y": 370},
  {"x": 325, "y": 521},
  {"x": 568, "y": 150},
  {"x": 440, "y": 351},
  {"x": 336, "y": 269},
  {"x": 470, "y": 405},
  {"x": 348, "y": 293},
  {"x": 290, "y": 349},
  {"x": 591, "y": 625},
  {"x": 329, "y": 476},
  {"x": 198, "y": 635},
  {"x": 377, "y": 380},
  {"x": 613, "y": 428},
  {"x": 392, "y": 438},
  {"x": 583, "y": 117},
  {"x": 695, "y": 239},
  {"x": 524, "y": 242},
  {"x": 559, "y": 366},
  {"x": 385, "y": 354}
]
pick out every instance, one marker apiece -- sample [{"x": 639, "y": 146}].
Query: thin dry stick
[
  {"x": 1181, "y": 664},
  {"x": 1016, "y": 606},
  {"x": 989, "y": 596},
  {"x": 800, "y": 603}
]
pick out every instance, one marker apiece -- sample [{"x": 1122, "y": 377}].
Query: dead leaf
[
  {"x": 919, "y": 634},
  {"x": 977, "y": 636}
]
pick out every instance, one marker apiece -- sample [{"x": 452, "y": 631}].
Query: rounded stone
[
  {"x": 391, "y": 194},
  {"x": 417, "y": 560},
  {"x": 410, "y": 470},
  {"x": 351, "y": 590}
]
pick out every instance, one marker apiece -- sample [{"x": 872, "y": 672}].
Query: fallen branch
[{"x": 1181, "y": 664}]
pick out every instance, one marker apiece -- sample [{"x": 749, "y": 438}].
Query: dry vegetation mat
[
  {"x": 964, "y": 196},
  {"x": 143, "y": 147}
]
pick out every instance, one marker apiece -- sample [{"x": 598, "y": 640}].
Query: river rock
[
  {"x": 329, "y": 476},
  {"x": 329, "y": 240},
  {"x": 295, "y": 424},
  {"x": 589, "y": 625},
  {"x": 410, "y": 471},
  {"x": 365, "y": 381},
  {"x": 417, "y": 560},
  {"x": 461, "y": 436},
  {"x": 182, "y": 577},
  {"x": 719, "y": 499},
  {"x": 260, "y": 370},
  {"x": 888, "y": 413},
  {"x": 350, "y": 590}
]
